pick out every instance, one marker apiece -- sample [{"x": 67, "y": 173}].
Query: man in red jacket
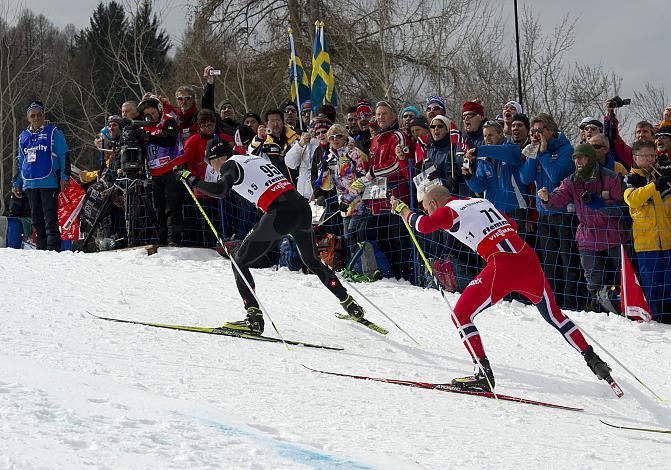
[
  {"x": 511, "y": 266},
  {"x": 384, "y": 162},
  {"x": 162, "y": 147}
]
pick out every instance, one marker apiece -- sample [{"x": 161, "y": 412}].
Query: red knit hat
[
  {"x": 322, "y": 123},
  {"x": 477, "y": 108},
  {"x": 363, "y": 109}
]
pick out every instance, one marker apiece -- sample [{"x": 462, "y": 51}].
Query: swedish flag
[
  {"x": 323, "y": 80},
  {"x": 298, "y": 79}
]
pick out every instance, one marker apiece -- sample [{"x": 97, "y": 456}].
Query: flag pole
[{"x": 293, "y": 65}]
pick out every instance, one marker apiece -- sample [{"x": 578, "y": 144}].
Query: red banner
[
  {"x": 69, "y": 205},
  {"x": 634, "y": 305}
]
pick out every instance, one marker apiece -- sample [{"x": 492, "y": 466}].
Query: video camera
[
  {"x": 619, "y": 102},
  {"x": 131, "y": 151}
]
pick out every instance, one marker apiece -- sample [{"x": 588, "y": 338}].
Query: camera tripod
[{"x": 131, "y": 189}]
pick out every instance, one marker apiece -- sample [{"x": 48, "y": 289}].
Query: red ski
[{"x": 449, "y": 388}]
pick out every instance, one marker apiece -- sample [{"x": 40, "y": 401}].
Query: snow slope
[{"x": 76, "y": 392}]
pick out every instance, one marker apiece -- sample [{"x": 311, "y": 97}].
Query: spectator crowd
[{"x": 576, "y": 203}]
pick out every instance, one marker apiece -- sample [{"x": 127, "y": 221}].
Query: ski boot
[
  {"x": 597, "y": 365},
  {"x": 253, "y": 324},
  {"x": 481, "y": 381},
  {"x": 352, "y": 308}
]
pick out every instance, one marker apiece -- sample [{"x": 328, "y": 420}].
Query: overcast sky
[{"x": 631, "y": 38}]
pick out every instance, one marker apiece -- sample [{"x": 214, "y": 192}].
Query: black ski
[
  {"x": 449, "y": 388},
  {"x": 218, "y": 331},
  {"x": 629, "y": 428},
  {"x": 363, "y": 321}
]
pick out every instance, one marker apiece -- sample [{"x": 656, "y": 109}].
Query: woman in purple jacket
[{"x": 598, "y": 196}]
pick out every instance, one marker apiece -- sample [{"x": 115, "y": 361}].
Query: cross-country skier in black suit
[{"x": 285, "y": 213}]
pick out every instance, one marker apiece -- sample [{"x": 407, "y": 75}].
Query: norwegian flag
[
  {"x": 634, "y": 305},
  {"x": 420, "y": 148},
  {"x": 457, "y": 138}
]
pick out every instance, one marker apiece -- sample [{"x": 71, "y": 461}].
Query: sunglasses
[
  {"x": 184, "y": 98},
  {"x": 598, "y": 146},
  {"x": 322, "y": 132},
  {"x": 408, "y": 116},
  {"x": 290, "y": 111},
  {"x": 436, "y": 126},
  {"x": 435, "y": 109},
  {"x": 491, "y": 124},
  {"x": 468, "y": 116},
  {"x": 336, "y": 136},
  {"x": 591, "y": 127},
  {"x": 537, "y": 130},
  {"x": 383, "y": 103}
]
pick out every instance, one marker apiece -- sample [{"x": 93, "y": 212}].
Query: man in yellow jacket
[{"x": 648, "y": 196}]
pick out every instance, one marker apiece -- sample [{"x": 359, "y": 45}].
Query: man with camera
[
  {"x": 620, "y": 149},
  {"x": 274, "y": 140},
  {"x": 597, "y": 194},
  {"x": 43, "y": 164},
  {"x": 648, "y": 196},
  {"x": 162, "y": 148}
]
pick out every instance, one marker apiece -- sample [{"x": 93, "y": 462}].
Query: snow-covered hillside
[{"x": 76, "y": 392}]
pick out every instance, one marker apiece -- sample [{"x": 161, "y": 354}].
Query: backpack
[
  {"x": 331, "y": 251},
  {"x": 368, "y": 263},
  {"x": 289, "y": 255}
]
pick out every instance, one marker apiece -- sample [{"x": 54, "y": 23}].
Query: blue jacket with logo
[
  {"x": 43, "y": 159},
  {"x": 549, "y": 168}
]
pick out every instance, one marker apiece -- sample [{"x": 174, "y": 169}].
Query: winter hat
[
  {"x": 664, "y": 130},
  {"x": 433, "y": 99},
  {"x": 217, "y": 147},
  {"x": 363, "y": 109},
  {"x": 322, "y": 123},
  {"x": 590, "y": 120},
  {"x": 410, "y": 108},
  {"x": 255, "y": 116},
  {"x": 115, "y": 118},
  {"x": 150, "y": 102},
  {"x": 327, "y": 110},
  {"x": 587, "y": 150},
  {"x": 516, "y": 105},
  {"x": 35, "y": 105},
  {"x": 522, "y": 118},
  {"x": 420, "y": 121},
  {"x": 305, "y": 106},
  {"x": 243, "y": 135},
  {"x": 442, "y": 119},
  {"x": 472, "y": 106},
  {"x": 223, "y": 103}
]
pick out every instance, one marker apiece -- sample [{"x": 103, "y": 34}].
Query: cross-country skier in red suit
[
  {"x": 512, "y": 266},
  {"x": 285, "y": 213}
]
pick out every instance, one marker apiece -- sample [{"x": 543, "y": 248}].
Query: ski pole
[
  {"x": 200, "y": 208},
  {"x": 237, "y": 268},
  {"x": 662, "y": 400},
  {"x": 349, "y": 284},
  {"x": 327, "y": 219},
  {"x": 469, "y": 346}
]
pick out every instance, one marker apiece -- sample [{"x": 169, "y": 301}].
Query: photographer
[
  {"x": 597, "y": 194},
  {"x": 648, "y": 196},
  {"x": 620, "y": 149},
  {"x": 273, "y": 140},
  {"x": 163, "y": 153}
]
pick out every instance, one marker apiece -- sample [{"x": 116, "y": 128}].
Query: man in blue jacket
[
  {"x": 494, "y": 170},
  {"x": 549, "y": 161},
  {"x": 43, "y": 170}
]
